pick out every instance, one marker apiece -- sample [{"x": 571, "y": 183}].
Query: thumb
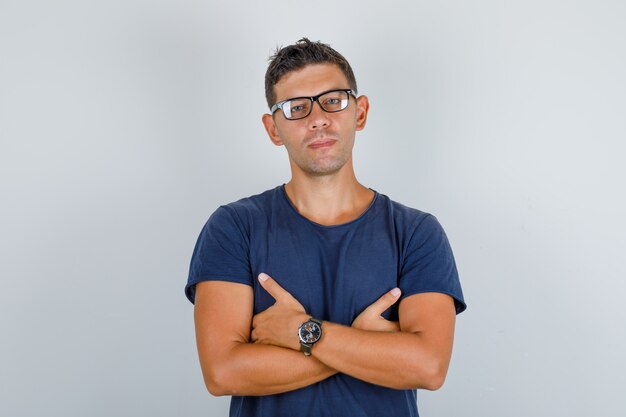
[{"x": 388, "y": 299}]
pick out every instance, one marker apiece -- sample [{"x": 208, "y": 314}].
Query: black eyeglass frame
[{"x": 313, "y": 99}]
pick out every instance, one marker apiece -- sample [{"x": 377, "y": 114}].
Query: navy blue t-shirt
[{"x": 335, "y": 272}]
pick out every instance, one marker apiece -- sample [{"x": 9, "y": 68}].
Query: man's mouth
[{"x": 322, "y": 143}]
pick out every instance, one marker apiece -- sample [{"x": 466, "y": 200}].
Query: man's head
[
  {"x": 301, "y": 54},
  {"x": 317, "y": 110}
]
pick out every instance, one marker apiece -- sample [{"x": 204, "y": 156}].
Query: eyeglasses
[{"x": 300, "y": 107}]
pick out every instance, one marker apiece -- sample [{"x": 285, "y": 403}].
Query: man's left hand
[{"x": 278, "y": 325}]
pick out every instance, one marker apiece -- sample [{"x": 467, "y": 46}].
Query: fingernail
[
  {"x": 263, "y": 277},
  {"x": 395, "y": 292}
]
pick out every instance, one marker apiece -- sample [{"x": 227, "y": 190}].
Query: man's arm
[
  {"x": 415, "y": 357},
  {"x": 233, "y": 366}
]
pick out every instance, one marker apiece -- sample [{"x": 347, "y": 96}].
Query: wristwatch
[{"x": 309, "y": 332}]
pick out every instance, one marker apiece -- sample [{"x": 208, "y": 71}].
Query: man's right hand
[{"x": 371, "y": 318}]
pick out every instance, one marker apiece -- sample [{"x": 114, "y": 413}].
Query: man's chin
[
  {"x": 322, "y": 170},
  {"x": 320, "y": 167}
]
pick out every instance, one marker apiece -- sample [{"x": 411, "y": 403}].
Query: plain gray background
[{"x": 124, "y": 124}]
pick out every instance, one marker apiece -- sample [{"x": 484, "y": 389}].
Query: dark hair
[{"x": 302, "y": 53}]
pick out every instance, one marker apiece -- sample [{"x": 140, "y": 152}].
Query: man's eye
[
  {"x": 297, "y": 109},
  {"x": 332, "y": 101}
]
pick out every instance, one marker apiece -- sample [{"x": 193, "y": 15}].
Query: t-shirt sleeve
[
  {"x": 428, "y": 264},
  {"x": 221, "y": 252}
]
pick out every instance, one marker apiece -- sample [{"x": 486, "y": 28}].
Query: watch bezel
[{"x": 318, "y": 331}]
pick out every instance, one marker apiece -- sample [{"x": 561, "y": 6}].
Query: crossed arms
[{"x": 412, "y": 353}]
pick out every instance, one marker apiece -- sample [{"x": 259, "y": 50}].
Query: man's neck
[{"x": 330, "y": 199}]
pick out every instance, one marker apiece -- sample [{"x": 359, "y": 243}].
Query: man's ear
[
  {"x": 271, "y": 129},
  {"x": 362, "y": 107}
]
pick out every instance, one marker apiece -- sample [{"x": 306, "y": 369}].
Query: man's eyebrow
[{"x": 315, "y": 95}]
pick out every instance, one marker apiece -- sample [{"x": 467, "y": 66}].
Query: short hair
[{"x": 299, "y": 55}]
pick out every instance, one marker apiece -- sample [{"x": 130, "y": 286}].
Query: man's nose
[{"x": 318, "y": 117}]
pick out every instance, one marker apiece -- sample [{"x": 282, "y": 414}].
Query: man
[{"x": 296, "y": 289}]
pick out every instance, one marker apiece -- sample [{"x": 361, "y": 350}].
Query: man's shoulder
[
  {"x": 249, "y": 207},
  {"x": 402, "y": 213},
  {"x": 255, "y": 201}
]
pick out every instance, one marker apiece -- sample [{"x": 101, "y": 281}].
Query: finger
[
  {"x": 393, "y": 326},
  {"x": 388, "y": 299},
  {"x": 272, "y": 287}
]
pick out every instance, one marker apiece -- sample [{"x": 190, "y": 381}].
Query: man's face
[{"x": 321, "y": 143}]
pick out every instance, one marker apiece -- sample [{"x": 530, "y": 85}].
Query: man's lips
[{"x": 321, "y": 143}]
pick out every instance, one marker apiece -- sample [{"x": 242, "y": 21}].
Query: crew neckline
[{"x": 332, "y": 226}]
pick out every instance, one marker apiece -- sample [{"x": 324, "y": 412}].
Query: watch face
[{"x": 310, "y": 332}]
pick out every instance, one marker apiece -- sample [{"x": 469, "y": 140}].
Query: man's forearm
[
  {"x": 399, "y": 360},
  {"x": 257, "y": 369},
  {"x": 415, "y": 353}
]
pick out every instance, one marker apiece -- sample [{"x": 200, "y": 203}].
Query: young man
[{"x": 321, "y": 297}]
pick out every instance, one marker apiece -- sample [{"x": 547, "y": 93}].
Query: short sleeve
[
  {"x": 428, "y": 264},
  {"x": 221, "y": 252}
]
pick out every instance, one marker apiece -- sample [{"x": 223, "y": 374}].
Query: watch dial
[{"x": 310, "y": 332}]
